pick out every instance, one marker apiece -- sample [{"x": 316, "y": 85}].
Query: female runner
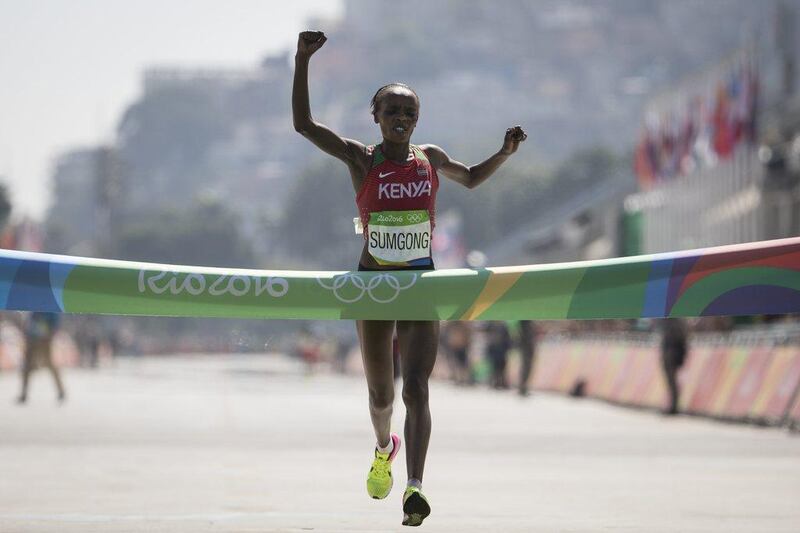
[{"x": 395, "y": 183}]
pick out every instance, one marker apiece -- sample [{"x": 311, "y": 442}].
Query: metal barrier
[{"x": 749, "y": 375}]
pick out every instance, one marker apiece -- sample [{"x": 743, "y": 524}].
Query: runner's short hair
[{"x": 376, "y": 99}]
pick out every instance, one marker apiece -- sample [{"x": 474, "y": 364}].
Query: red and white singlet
[{"x": 396, "y": 206}]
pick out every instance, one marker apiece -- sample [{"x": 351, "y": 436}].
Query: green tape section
[
  {"x": 380, "y": 296},
  {"x": 132, "y": 292},
  {"x": 611, "y": 291},
  {"x": 431, "y": 297},
  {"x": 553, "y": 290}
]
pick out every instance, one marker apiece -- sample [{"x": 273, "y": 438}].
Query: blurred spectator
[
  {"x": 527, "y": 350},
  {"x": 39, "y": 332},
  {"x": 88, "y": 336},
  {"x": 457, "y": 340},
  {"x": 308, "y": 348},
  {"x": 341, "y": 349},
  {"x": 497, "y": 345},
  {"x": 674, "y": 346}
]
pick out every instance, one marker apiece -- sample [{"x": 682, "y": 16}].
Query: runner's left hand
[{"x": 514, "y": 136}]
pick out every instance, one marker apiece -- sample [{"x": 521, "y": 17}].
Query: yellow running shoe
[
  {"x": 415, "y": 507},
  {"x": 379, "y": 479}
]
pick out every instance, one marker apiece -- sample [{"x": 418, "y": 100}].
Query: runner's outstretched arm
[
  {"x": 346, "y": 150},
  {"x": 473, "y": 176}
]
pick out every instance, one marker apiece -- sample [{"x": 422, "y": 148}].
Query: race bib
[{"x": 399, "y": 237}]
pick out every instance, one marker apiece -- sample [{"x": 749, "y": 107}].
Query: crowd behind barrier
[{"x": 749, "y": 376}]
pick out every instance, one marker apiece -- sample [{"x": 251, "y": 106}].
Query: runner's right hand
[{"x": 309, "y": 42}]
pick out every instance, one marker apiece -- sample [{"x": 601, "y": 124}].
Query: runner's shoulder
[
  {"x": 359, "y": 153},
  {"x": 435, "y": 154}
]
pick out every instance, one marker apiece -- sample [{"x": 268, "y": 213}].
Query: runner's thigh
[
  {"x": 418, "y": 342},
  {"x": 376, "y": 351}
]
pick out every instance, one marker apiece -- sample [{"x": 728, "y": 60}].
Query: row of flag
[{"x": 702, "y": 129}]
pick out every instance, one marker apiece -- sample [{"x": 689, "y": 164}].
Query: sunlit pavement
[{"x": 253, "y": 444}]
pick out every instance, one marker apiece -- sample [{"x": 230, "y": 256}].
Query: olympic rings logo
[
  {"x": 415, "y": 217},
  {"x": 340, "y": 283}
]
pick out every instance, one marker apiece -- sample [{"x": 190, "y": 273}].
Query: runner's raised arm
[
  {"x": 473, "y": 176},
  {"x": 347, "y": 150}
]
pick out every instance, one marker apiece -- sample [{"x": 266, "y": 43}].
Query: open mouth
[{"x": 399, "y": 129}]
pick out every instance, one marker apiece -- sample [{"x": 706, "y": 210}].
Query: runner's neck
[{"x": 396, "y": 152}]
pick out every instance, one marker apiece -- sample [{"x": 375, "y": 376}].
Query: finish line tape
[{"x": 754, "y": 278}]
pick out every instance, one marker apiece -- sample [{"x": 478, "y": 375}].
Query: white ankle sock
[
  {"x": 413, "y": 482},
  {"x": 389, "y": 447}
]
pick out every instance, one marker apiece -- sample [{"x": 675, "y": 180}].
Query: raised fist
[
  {"x": 513, "y": 137},
  {"x": 309, "y": 42}
]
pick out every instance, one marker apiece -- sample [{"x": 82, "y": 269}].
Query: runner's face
[{"x": 397, "y": 114}]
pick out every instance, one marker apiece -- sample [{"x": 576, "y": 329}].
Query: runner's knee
[
  {"x": 381, "y": 399},
  {"x": 415, "y": 390}
]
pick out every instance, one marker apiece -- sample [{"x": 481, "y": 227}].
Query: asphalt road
[{"x": 235, "y": 443}]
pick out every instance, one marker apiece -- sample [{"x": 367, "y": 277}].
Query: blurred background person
[
  {"x": 40, "y": 329},
  {"x": 88, "y": 336},
  {"x": 457, "y": 341},
  {"x": 342, "y": 345},
  {"x": 527, "y": 351},
  {"x": 498, "y": 343},
  {"x": 674, "y": 346},
  {"x": 308, "y": 348}
]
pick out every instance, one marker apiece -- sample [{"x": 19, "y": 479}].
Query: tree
[
  {"x": 207, "y": 233},
  {"x": 316, "y": 226}
]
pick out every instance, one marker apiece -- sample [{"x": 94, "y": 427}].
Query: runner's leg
[
  {"x": 376, "y": 350},
  {"x": 418, "y": 343}
]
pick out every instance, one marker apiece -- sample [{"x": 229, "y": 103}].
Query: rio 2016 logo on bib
[{"x": 399, "y": 237}]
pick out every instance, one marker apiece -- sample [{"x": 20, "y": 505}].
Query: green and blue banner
[{"x": 754, "y": 278}]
